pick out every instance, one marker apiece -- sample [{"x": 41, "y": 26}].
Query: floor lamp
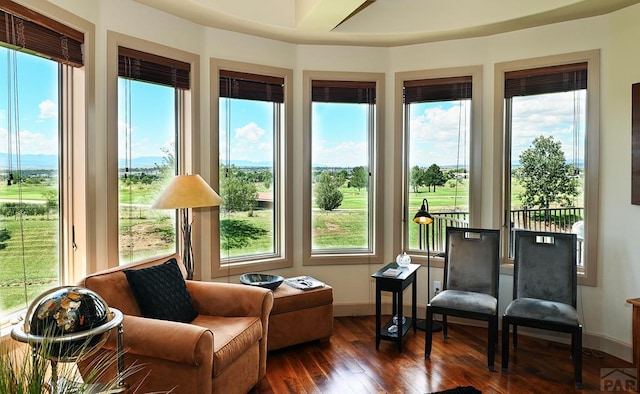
[
  {"x": 424, "y": 218},
  {"x": 182, "y": 193}
]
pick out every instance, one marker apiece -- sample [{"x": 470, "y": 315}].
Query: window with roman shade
[
  {"x": 251, "y": 172},
  {"x": 36, "y": 226},
  {"x": 342, "y": 196},
  {"x": 437, "y": 129},
  {"x": 551, "y": 150},
  {"x": 151, "y": 99}
]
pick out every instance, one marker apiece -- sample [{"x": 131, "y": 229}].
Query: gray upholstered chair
[
  {"x": 544, "y": 291},
  {"x": 470, "y": 290}
]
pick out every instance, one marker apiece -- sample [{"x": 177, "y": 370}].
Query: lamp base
[{"x": 421, "y": 324}]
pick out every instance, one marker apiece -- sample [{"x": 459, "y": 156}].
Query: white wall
[
  {"x": 605, "y": 312},
  {"x": 619, "y": 247}
]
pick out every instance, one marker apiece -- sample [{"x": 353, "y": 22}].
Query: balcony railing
[{"x": 561, "y": 220}]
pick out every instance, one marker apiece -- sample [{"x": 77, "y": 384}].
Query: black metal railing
[{"x": 561, "y": 220}]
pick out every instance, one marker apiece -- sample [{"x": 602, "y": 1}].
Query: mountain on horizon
[
  {"x": 51, "y": 161},
  {"x": 30, "y": 161}
]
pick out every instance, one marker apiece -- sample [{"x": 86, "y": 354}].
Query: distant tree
[
  {"x": 236, "y": 234},
  {"x": 342, "y": 173},
  {"x": 267, "y": 179},
  {"x": 51, "y": 198},
  {"x": 167, "y": 167},
  {"x": 4, "y": 237},
  {"x": 545, "y": 175},
  {"x": 238, "y": 195},
  {"x": 416, "y": 178},
  {"x": 359, "y": 177},
  {"x": 328, "y": 194},
  {"x": 434, "y": 177}
]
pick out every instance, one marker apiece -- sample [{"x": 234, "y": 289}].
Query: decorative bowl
[{"x": 267, "y": 281}]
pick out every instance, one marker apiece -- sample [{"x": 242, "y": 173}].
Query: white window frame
[
  {"x": 77, "y": 97},
  {"x": 283, "y": 192},
  {"x": 402, "y": 217},
  {"x": 188, "y": 135},
  {"x": 375, "y": 254},
  {"x": 501, "y": 206}
]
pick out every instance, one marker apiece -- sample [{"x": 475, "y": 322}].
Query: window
[
  {"x": 152, "y": 129},
  {"x": 253, "y": 123},
  {"x": 441, "y": 140},
  {"x": 549, "y": 111},
  {"x": 149, "y": 87},
  {"x": 343, "y": 201},
  {"x": 38, "y": 57}
]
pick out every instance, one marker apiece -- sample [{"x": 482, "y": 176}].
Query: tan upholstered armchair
[{"x": 223, "y": 349}]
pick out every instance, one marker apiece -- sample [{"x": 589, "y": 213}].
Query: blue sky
[
  {"x": 152, "y": 119},
  {"x": 250, "y": 128},
  {"x": 38, "y": 105},
  {"x": 339, "y": 135},
  {"x": 439, "y": 134}
]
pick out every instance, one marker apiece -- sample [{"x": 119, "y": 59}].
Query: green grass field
[
  {"x": 150, "y": 231},
  {"x": 39, "y": 256}
]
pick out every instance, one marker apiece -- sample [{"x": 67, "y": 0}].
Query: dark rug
[{"x": 460, "y": 390}]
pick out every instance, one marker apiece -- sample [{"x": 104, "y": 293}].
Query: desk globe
[{"x": 68, "y": 323}]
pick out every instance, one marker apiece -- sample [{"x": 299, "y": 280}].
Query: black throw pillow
[{"x": 161, "y": 292}]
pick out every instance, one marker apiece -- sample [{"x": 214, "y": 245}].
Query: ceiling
[{"x": 380, "y": 22}]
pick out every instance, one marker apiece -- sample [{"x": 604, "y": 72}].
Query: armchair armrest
[
  {"x": 166, "y": 340},
  {"x": 230, "y": 299}
]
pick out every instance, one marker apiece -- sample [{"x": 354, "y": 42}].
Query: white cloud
[
  {"x": 339, "y": 155},
  {"x": 440, "y": 135},
  {"x": 31, "y": 143},
  {"x": 251, "y": 133},
  {"x": 48, "y": 110},
  {"x": 548, "y": 115},
  {"x": 250, "y": 142}
]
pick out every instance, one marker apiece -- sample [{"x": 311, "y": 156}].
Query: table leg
[
  {"x": 636, "y": 342},
  {"x": 414, "y": 297},
  {"x": 378, "y": 312},
  {"x": 400, "y": 325}
]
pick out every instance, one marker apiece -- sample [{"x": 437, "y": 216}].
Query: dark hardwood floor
[{"x": 350, "y": 363}]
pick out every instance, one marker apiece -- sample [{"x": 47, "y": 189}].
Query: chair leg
[
  {"x": 445, "y": 332},
  {"x": 428, "y": 332},
  {"x": 576, "y": 341},
  {"x": 505, "y": 343},
  {"x": 515, "y": 336},
  {"x": 492, "y": 338}
]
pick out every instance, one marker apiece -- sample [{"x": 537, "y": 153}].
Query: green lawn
[
  {"x": 151, "y": 231},
  {"x": 29, "y": 192},
  {"x": 40, "y": 259}
]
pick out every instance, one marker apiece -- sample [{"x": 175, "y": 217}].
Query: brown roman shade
[
  {"x": 437, "y": 89},
  {"x": 28, "y": 31},
  {"x": 356, "y": 92},
  {"x": 240, "y": 85},
  {"x": 553, "y": 79},
  {"x": 147, "y": 67}
]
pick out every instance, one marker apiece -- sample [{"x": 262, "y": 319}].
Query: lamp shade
[
  {"x": 187, "y": 191},
  {"x": 423, "y": 216}
]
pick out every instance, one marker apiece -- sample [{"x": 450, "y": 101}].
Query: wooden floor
[{"x": 350, "y": 363}]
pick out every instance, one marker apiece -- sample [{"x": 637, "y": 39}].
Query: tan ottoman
[{"x": 300, "y": 316}]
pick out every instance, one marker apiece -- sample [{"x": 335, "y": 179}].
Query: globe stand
[{"x": 59, "y": 385}]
